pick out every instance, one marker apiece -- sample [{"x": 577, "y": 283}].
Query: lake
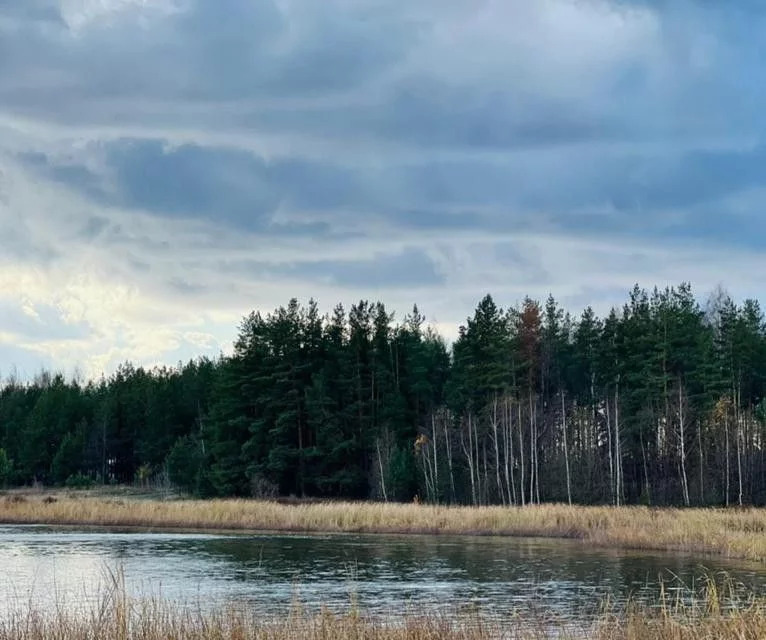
[{"x": 385, "y": 574}]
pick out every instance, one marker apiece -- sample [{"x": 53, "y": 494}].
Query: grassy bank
[
  {"x": 732, "y": 533},
  {"x": 119, "y": 617}
]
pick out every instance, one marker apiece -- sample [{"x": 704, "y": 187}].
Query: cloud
[{"x": 165, "y": 167}]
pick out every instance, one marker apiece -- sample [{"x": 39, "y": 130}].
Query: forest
[{"x": 660, "y": 402}]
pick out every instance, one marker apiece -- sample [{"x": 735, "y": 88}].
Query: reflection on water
[{"x": 384, "y": 574}]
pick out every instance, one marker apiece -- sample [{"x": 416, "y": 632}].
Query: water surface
[{"x": 384, "y": 574}]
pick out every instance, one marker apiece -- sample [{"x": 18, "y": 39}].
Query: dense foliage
[{"x": 660, "y": 402}]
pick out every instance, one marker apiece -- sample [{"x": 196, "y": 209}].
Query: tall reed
[
  {"x": 733, "y": 533},
  {"x": 117, "y": 616}
]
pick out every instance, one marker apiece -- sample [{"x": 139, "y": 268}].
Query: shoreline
[{"x": 735, "y": 534}]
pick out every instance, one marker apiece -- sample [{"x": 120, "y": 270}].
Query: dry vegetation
[
  {"x": 119, "y": 617},
  {"x": 733, "y": 533}
]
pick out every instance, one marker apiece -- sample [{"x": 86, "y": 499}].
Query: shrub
[
  {"x": 262, "y": 488},
  {"x": 79, "y": 481}
]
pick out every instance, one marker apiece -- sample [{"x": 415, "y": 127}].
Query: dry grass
[
  {"x": 733, "y": 533},
  {"x": 708, "y": 615},
  {"x": 743, "y": 626},
  {"x": 157, "y": 621},
  {"x": 119, "y": 617}
]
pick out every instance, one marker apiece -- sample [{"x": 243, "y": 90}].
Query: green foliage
[
  {"x": 5, "y": 468},
  {"x": 658, "y": 402},
  {"x": 66, "y": 462},
  {"x": 143, "y": 474},
  {"x": 79, "y": 481},
  {"x": 402, "y": 476},
  {"x": 185, "y": 465}
]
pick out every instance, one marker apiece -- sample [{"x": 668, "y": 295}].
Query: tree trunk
[
  {"x": 682, "y": 444},
  {"x": 448, "y": 448},
  {"x": 537, "y": 461},
  {"x": 566, "y": 449},
  {"x": 647, "y": 486},
  {"x": 702, "y": 466},
  {"x": 617, "y": 446},
  {"x": 495, "y": 420},
  {"x": 736, "y": 397},
  {"x": 739, "y": 455},
  {"x": 382, "y": 474},
  {"x": 532, "y": 446},
  {"x": 508, "y": 450},
  {"x": 468, "y": 450},
  {"x": 728, "y": 453},
  {"x": 612, "y": 475},
  {"x": 436, "y": 459},
  {"x": 521, "y": 458},
  {"x": 427, "y": 471},
  {"x": 485, "y": 490}
]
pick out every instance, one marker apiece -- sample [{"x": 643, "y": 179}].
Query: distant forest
[{"x": 661, "y": 402}]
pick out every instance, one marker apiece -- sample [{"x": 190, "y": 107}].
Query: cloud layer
[{"x": 167, "y": 166}]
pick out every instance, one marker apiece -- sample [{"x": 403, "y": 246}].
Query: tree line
[{"x": 659, "y": 402}]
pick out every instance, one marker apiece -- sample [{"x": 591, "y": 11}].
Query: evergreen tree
[{"x": 658, "y": 402}]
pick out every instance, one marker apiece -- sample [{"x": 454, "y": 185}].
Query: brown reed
[
  {"x": 118, "y": 616},
  {"x": 735, "y": 533}
]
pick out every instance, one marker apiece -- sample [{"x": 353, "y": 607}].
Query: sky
[{"x": 167, "y": 166}]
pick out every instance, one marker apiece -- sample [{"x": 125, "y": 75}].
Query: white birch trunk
[
  {"x": 612, "y": 475},
  {"x": 728, "y": 453},
  {"x": 448, "y": 448},
  {"x": 521, "y": 457},
  {"x": 739, "y": 450},
  {"x": 436, "y": 459},
  {"x": 468, "y": 451},
  {"x": 682, "y": 444},
  {"x": 382, "y": 474},
  {"x": 510, "y": 483},
  {"x": 566, "y": 449},
  {"x": 618, "y": 448},
  {"x": 495, "y": 433}
]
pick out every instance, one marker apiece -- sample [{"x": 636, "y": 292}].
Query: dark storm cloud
[
  {"x": 406, "y": 268},
  {"x": 210, "y": 51},
  {"x": 209, "y": 153},
  {"x": 230, "y": 66}
]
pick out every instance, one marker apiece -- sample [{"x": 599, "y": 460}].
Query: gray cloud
[
  {"x": 406, "y": 269},
  {"x": 166, "y": 166}
]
